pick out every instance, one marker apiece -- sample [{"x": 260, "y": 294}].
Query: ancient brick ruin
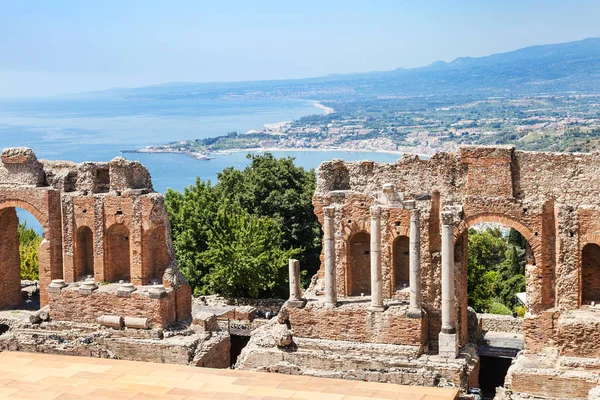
[
  {"x": 390, "y": 300},
  {"x": 106, "y": 260}
]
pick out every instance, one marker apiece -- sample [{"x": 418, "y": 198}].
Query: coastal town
[{"x": 558, "y": 123}]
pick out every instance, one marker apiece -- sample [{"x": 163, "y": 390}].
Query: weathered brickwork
[
  {"x": 70, "y": 305},
  {"x": 354, "y": 322},
  {"x": 552, "y": 199},
  {"x": 100, "y": 220}
]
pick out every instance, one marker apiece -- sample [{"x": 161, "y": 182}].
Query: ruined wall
[
  {"x": 99, "y": 219},
  {"x": 353, "y": 322},
  {"x": 71, "y": 305},
  {"x": 552, "y": 199}
]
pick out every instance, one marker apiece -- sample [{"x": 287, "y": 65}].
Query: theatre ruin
[
  {"x": 389, "y": 303},
  {"x": 109, "y": 282}
]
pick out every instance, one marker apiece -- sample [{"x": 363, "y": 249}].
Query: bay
[{"x": 97, "y": 129}]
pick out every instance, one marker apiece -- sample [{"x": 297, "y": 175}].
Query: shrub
[
  {"x": 499, "y": 308},
  {"x": 520, "y": 310}
]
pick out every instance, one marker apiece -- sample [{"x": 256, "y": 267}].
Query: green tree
[
  {"x": 278, "y": 189},
  {"x": 29, "y": 243},
  {"x": 271, "y": 195},
  {"x": 242, "y": 256},
  {"x": 486, "y": 251},
  {"x": 191, "y": 214},
  {"x": 516, "y": 239}
]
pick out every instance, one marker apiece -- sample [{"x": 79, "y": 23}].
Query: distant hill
[{"x": 551, "y": 69}]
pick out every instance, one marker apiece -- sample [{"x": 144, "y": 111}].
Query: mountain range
[{"x": 545, "y": 69}]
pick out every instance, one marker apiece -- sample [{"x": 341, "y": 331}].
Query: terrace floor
[{"x": 45, "y": 376}]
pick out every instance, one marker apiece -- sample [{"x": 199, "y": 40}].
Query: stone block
[{"x": 448, "y": 345}]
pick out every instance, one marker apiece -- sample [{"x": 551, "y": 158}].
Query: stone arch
[
  {"x": 590, "y": 273},
  {"x": 84, "y": 252},
  {"x": 359, "y": 264},
  {"x": 10, "y": 265},
  {"x": 33, "y": 210},
  {"x": 532, "y": 237},
  {"x": 533, "y": 285},
  {"x": 118, "y": 265}
]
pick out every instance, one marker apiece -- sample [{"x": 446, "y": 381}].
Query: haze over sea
[{"x": 97, "y": 129}]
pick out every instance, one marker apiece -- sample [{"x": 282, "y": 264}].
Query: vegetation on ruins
[
  {"x": 234, "y": 237},
  {"x": 496, "y": 270},
  {"x": 29, "y": 242}
]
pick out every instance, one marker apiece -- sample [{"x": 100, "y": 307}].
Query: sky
[{"x": 60, "y": 46}]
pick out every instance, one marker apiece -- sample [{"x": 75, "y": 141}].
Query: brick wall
[
  {"x": 69, "y": 305},
  {"x": 548, "y": 386},
  {"x": 354, "y": 322}
]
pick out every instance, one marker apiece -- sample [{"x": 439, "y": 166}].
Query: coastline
[
  {"x": 208, "y": 155},
  {"x": 276, "y": 149}
]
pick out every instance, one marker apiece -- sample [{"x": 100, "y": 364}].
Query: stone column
[
  {"x": 415, "y": 263},
  {"x": 295, "y": 300},
  {"x": 375, "y": 252},
  {"x": 448, "y": 344},
  {"x": 329, "y": 249}
]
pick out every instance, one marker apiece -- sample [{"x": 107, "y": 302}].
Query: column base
[
  {"x": 377, "y": 308},
  {"x": 330, "y": 304},
  {"x": 300, "y": 303},
  {"x": 448, "y": 345},
  {"x": 415, "y": 313}
]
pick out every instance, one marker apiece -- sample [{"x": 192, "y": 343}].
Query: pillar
[
  {"x": 415, "y": 263},
  {"x": 448, "y": 344},
  {"x": 295, "y": 300},
  {"x": 375, "y": 253},
  {"x": 329, "y": 249}
]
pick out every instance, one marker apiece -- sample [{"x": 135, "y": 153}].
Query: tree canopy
[
  {"x": 234, "y": 237},
  {"x": 496, "y": 269},
  {"x": 29, "y": 242}
]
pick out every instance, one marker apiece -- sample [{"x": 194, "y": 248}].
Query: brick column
[
  {"x": 448, "y": 344},
  {"x": 329, "y": 249},
  {"x": 375, "y": 253}
]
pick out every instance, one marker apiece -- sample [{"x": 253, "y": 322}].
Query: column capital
[
  {"x": 447, "y": 218},
  {"x": 375, "y": 212},
  {"x": 329, "y": 211},
  {"x": 414, "y": 214}
]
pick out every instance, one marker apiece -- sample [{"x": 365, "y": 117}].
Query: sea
[{"x": 99, "y": 129}]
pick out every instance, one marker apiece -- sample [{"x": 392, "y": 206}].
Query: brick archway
[
  {"x": 532, "y": 238},
  {"x": 33, "y": 210},
  {"x": 9, "y": 253}
]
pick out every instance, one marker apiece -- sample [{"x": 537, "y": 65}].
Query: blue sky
[{"x": 50, "y": 47}]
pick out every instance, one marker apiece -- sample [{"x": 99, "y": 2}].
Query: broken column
[
  {"x": 448, "y": 344},
  {"x": 415, "y": 262},
  {"x": 375, "y": 252},
  {"x": 329, "y": 249},
  {"x": 294, "y": 270}
]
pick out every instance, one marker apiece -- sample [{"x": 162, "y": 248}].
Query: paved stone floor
[{"x": 43, "y": 376}]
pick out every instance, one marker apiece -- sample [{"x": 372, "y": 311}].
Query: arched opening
[
  {"x": 118, "y": 256},
  {"x": 84, "y": 253},
  {"x": 491, "y": 259},
  {"x": 20, "y": 239},
  {"x": 590, "y": 273},
  {"x": 359, "y": 259},
  {"x": 496, "y": 256},
  {"x": 155, "y": 254},
  {"x": 400, "y": 254}
]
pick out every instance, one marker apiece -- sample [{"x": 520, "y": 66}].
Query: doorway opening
[{"x": 492, "y": 373}]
